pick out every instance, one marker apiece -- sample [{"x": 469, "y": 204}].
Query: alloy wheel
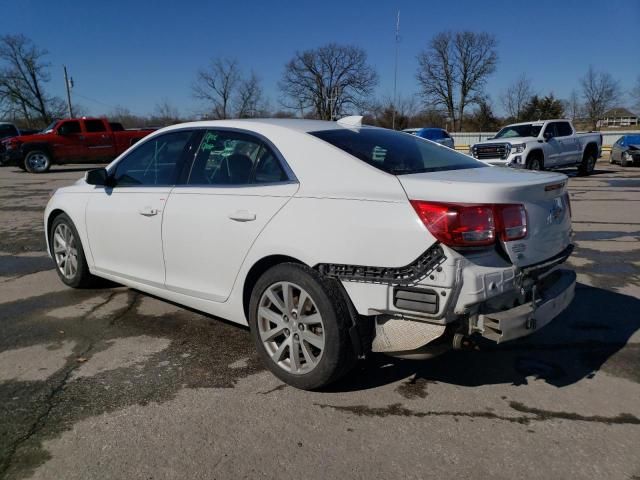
[
  {"x": 290, "y": 327},
  {"x": 38, "y": 162},
  {"x": 65, "y": 251}
]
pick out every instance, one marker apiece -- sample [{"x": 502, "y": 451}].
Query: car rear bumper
[{"x": 554, "y": 296}]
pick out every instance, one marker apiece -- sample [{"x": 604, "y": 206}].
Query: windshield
[
  {"x": 632, "y": 140},
  {"x": 50, "y": 127},
  {"x": 528, "y": 130},
  {"x": 395, "y": 152}
]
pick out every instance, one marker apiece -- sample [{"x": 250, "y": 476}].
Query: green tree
[{"x": 540, "y": 108}]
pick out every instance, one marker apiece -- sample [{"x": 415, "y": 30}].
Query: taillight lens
[
  {"x": 512, "y": 220},
  {"x": 465, "y": 225},
  {"x": 458, "y": 224},
  {"x": 567, "y": 202}
]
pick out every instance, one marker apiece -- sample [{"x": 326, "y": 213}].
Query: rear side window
[
  {"x": 94, "y": 126},
  {"x": 68, "y": 128},
  {"x": 395, "y": 152},
  {"x": 155, "y": 162}
]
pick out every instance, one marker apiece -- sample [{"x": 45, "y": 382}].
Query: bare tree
[
  {"x": 516, "y": 97},
  {"x": 453, "y": 70},
  {"x": 635, "y": 95},
  {"x": 216, "y": 86},
  {"x": 329, "y": 80},
  {"x": 22, "y": 78},
  {"x": 381, "y": 112},
  {"x": 250, "y": 102},
  {"x": 600, "y": 92},
  {"x": 165, "y": 113},
  {"x": 573, "y": 106}
]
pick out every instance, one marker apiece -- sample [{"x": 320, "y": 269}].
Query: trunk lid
[{"x": 541, "y": 193}]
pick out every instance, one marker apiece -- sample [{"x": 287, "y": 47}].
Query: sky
[{"x": 136, "y": 54}]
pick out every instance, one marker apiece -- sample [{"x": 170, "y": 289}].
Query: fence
[{"x": 465, "y": 139}]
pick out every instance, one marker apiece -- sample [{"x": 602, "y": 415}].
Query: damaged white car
[{"x": 329, "y": 239}]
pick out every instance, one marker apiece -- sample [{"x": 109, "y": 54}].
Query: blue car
[{"x": 437, "y": 135}]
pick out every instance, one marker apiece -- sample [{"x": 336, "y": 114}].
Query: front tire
[
  {"x": 37, "y": 161},
  {"x": 300, "y": 324},
  {"x": 67, "y": 252},
  {"x": 535, "y": 163}
]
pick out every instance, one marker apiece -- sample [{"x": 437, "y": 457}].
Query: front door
[
  {"x": 553, "y": 147},
  {"x": 236, "y": 185},
  {"x": 68, "y": 145},
  {"x": 124, "y": 222}
]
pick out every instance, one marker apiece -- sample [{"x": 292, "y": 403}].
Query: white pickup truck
[{"x": 541, "y": 145}]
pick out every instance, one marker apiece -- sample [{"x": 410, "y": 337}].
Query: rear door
[
  {"x": 571, "y": 150},
  {"x": 236, "y": 184},
  {"x": 98, "y": 141},
  {"x": 124, "y": 223}
]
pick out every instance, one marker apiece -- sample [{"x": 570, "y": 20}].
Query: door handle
[
  {"x": 148, "y": 211},
  {"x": 242, "y": 216}
]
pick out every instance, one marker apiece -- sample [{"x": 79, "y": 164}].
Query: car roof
[
  {"x": 538, "y": 122},
  {"x": 297, "y": 124}
]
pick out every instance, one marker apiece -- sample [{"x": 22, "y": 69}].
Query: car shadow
[{"x": 575, "y": 346}]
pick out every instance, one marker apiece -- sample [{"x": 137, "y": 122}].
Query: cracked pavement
[{"x": 113, "y": 383}]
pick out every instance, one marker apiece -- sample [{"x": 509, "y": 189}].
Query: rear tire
[
  {"x": 306, "y": 345},
  {"x": 66, "y": 249},
  {"x": 37, "y": 161},
  {"x": 588, "y": 164}
]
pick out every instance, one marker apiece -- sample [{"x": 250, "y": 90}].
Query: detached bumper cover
[{"x": 530, "y": 317}]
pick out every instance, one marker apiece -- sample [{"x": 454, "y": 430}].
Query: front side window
[
  {"x": 563, "y": 129},
  {"x": 93, "y": 126},
  {"x": 69, "y": 128},
  {"x": 154, "y": 162},
  {"x": 551, "y": 129},
  {"x": 234, "y": 158},
  {"x": 396, "y": 153}
]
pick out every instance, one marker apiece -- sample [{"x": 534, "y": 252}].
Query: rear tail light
[
  {"x": 567, "y": 202},
  {"x": 512, "y": 220},
  {"x": 465, "y": 225}
]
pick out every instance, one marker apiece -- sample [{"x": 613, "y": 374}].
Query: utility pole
[
  {"x": 395, "y": 73},
  {"x": 69, "y": 84}
]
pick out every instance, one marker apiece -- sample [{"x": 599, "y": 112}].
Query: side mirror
[
  {"x": 548, "y": 136},
  {"x": 98, "y": 176}
]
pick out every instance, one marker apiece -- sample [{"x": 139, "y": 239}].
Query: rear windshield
[
  {"x": 431, "y": 134},
  {"x": 519, "y": 131},
  {"x": 396, "y": 152}
]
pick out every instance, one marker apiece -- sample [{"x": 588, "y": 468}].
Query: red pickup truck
[{"x": 75, "y": 140}]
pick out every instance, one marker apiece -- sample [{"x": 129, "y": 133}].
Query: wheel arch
[
  {"x": 591, "y": 147},
  {"x": 256, "y": 271},
  {"x": 46, "y": 147},
  {"x": 55, "y": 213},
  {"x": 536, "y": 151}
]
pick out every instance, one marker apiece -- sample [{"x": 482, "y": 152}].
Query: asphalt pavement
[{"x": 113, "y": 383}]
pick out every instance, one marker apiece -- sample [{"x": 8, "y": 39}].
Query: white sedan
[{"x": 329, "y": 239}]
